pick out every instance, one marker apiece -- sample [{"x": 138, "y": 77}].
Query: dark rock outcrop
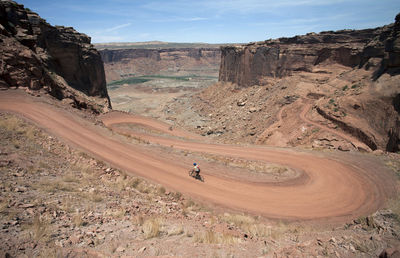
[{"x": 58, "y": 59}]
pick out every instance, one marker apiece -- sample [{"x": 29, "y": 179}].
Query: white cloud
[
  {"x": 118, "y": 27},
  {"x": 106, "y": 39},
  {"x": 239, "y": 6}
]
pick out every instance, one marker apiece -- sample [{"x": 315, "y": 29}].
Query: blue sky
[{"x": 211, "y": 21}]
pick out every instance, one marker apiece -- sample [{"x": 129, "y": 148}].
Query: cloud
[
  {"x": 238, "y": 6},
  {"x": 106, "y": 39},
  {"x": 118, "y": 27},
  {"x": 195, "y": 19}
]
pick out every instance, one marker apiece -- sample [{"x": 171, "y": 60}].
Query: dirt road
[{"x": 330, "y": 189}]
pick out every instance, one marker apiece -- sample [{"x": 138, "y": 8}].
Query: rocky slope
[
  {"x": 351, "y": 78},
  {"x": 120, "y": 63},
  {"x": 58, "y": 60}
]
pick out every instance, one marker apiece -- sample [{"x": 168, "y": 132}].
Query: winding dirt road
[{"x": 331, "y": 188}]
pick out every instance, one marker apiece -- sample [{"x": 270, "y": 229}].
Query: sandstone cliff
[
  {"x": 352, "y": 76},
  {"x": 125, "y": 62},
  {"x": 56, "y": 59},
  {"x": 249, "y": 64}
]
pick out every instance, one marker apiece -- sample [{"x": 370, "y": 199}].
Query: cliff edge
[
  {"x": 55, "y": 59},
  {"x": 350, "y": 78}
]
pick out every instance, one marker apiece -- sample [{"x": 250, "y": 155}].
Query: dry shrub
[
  {"x": 135, "y": 182},
  {"x": 78, "y": 220},
  {"x": 138, "y": 220},
  {"x": 70, "y": 178},
  {"x": 248, "y": 224},
  {"x": 188, "y": 204},
  {"x": 176, "y": 230},
  {"x": 68, "y": 204},
  {"x": 277, "y": 169},
  {"x": 119, "y": 213},
  {"x": 39, "y": 228},
  {"x": 143, "y": 188},
  {"x": 52, "y": 186},
  {"x": 161, "y": 190},
  {"x": 211, "y": 237},
  {"x": 11, "y": 124},
  {"x": 177, "y": 195},
  {"x": 152, "y": 228},
  {"x": 3, "y": 207}
]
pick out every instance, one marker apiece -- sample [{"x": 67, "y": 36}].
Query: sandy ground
[{"x": 331, "y": 188}]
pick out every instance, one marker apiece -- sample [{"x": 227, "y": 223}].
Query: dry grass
[
  {"x": 143, "y": 188},
  {"x": 274, "y": 169},
  {"x": 161, "y": 190},
  {"x": 39, "y": 229},
  {"x": 11, "y": 123},
  {"x": 78, "y": 220},
  {"x": 176, "y": 230},
  {"x": 211, "y": 237},
  {"x": 17, "y": 125},
  {"x": 177, "y": 195},
  {"x": 248, "y": 224},
  {"x": 138, "y": 220},
  {"x": 152, "y": 228},
  {"x": 119, "y": 213},
  {"x": 53, "y": 186},
  {"x": 68, "y": 204},
  {"x": 70, "y": 178},
  {"x": 188, "y": 204}
]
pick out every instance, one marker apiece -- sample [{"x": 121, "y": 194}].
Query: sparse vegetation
[
  {"x": 248, "y": 224},
  {"x": 315, "y": 130},
  {"x": 146, "y": 78},
  {"x": 176, "y": 230},
  {"x": 211, "y": 237},
  {"x": 152, "y": 228},
  {"x": 39, "y": 228},
  {"x": 78, "y": 219},
  {"x": 345, "y": 88}
]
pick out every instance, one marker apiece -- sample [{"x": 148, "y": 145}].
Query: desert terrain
[{"x": 298, "y": 144}]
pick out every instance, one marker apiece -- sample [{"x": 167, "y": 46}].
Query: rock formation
[
  {"x": 247, "y": 65},
  {"x": 362, "y": 99},
  {"x": 125, "y": 62},
  {"x": 58, "y": 59}
]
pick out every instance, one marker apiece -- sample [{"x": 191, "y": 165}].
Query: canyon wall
[
  {"x": 119, "y": 63},
  {"x": 59, "y": 60},
  {"x": 372, "y": 55},
  {"x": 249, "y": 64}
]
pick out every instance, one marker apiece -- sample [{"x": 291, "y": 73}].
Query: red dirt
[{"x": 335, "y": 190}]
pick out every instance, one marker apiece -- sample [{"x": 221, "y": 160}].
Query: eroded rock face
[
  {"x": 372, "y": 56},
  {"x": 247, "y": 65},
  {"x": 58, "y": 59}
]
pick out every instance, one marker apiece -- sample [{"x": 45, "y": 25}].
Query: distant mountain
[{"x": 154, "y": 45}]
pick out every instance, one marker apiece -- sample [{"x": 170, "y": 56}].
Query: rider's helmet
[{"x": 194, "y": 164}]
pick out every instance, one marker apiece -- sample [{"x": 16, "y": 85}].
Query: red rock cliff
[
  {"x": 58, "y": 59},
  {"x": 247, "y": 65}
]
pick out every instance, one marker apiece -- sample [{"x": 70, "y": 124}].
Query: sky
[{"x": 211, "y": 21}]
